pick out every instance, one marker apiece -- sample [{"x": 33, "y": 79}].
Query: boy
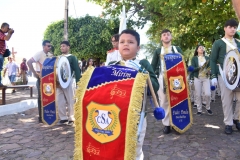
[
  {"x": 129, "y": 41},
  {"x": 166, "y": 38},
  {"x": 219, "y": 50},
  {"x": 113, "y": 54},
  {"x": 66, "y": 95}
]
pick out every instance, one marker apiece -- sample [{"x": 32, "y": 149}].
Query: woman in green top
[{"x": 200, "y": 62}]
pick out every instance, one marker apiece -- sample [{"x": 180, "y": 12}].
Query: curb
[{"x": 17, "y": 107}]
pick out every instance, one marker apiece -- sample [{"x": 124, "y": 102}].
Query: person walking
[
  {"x": 23, "y": 71},
  {"x": 167, "y": 47},
  {"x": 200, "y": 63},
  {"x": 13, "y": 71},
  {"x": 219, "y": 49}
]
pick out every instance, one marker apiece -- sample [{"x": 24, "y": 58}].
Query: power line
[{"x": 74, "y": 9}]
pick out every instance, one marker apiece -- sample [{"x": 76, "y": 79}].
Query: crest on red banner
[{"x": 103, "y": 121}]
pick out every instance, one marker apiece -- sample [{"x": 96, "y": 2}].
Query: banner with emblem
[
  {"x": 107, "y": 113},
  {"x": 48, "y": 92},
  {"x": 175, "y": 77}
]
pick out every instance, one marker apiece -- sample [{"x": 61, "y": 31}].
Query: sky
[{"x": 30, "y": 18}]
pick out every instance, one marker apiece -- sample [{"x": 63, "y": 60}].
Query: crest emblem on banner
[
  {"x": 103, "y": 122},
  {"x": 48, "y": 89},
  {"x": 177, "y": 84}
]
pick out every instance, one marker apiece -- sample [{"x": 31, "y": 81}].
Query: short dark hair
[
  {"x": 231, "y": 23},
  {"x": 66, "y": 43},
  {"x": 165, "y": 31},
  {"x": 116, "y": 37},
  {"x": 133, "y": 33},
  {"x": 4, "y": 25},
  {"x": 195, "y": 52},
  {"x": 44, "y": 42}
]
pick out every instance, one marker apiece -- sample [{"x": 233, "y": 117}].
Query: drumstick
[{"x": 152, "y": 92}]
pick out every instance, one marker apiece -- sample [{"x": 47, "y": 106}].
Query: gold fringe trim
[
  {"x": 133, "y": 116},
  {"x": 168, "y": 97},
  {"x": 82, "y": 86},
  {"x": 189, "y": 99}
]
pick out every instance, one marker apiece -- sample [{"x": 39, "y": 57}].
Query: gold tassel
[
  {"x": 133, "y": 117},
  {"x": 82, "y": 86}
]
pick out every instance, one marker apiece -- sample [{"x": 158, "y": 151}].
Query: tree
[
  {"x": 88, "y": 36},
  {"x": 191, "y": 21}
]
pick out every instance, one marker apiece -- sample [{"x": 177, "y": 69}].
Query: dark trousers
[{"x": 39, "y": 99}]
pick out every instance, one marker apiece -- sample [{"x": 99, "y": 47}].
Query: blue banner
[
  {"x": 113, "y": 72},
  {"x": 48, "y": 92},
  {"x": 177, "y": 92}
]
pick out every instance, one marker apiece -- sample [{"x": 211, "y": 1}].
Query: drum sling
[
  {"x": 107, "y": 113},
  {"x": 48, "y": 92},
  {"x": 175, "y": 78}
]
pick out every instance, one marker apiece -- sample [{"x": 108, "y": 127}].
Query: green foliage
[
  {"x": 192, "y": 22},
  {"x": 88, "y": 36}
]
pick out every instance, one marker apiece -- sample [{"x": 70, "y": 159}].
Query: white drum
[
  {"x": 63, "y": 71},
  {"x": 231, "y": 70}
]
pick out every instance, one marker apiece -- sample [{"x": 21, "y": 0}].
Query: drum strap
[
  {"x": 161, "y": 69},
  {"x": 229, "y": 44}
]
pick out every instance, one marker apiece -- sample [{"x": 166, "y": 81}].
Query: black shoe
[
  {"x": 166, "y": 130},
  {"x": 236, "y": 122},
  {"x": 40, "y": 120},
  {"x": 209, "y": 112},
  {"x": 212, "y": 100},
  {"x": 228, "y": 129},
  {"x": 199, "y": 113},
  {"x": 61, "y": 122},
  {"x": 195, "y": 106},
  {"x": 70, "y": 123},
  {"x": 14, "y": 91}
]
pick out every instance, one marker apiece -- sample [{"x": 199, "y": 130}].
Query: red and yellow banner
[
  {"x": 107, "y": 113},
  {"x": 177, "y": 92}
]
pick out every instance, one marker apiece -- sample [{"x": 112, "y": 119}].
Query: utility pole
[{"x": 66, "y": 21}]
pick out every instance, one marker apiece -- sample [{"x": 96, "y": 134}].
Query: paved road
[{"x": 22, "y": 138}]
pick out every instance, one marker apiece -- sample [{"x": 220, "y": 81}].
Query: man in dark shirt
[
  {"x": 23, "y": 71},
  {"x": 4, "y": 29}
]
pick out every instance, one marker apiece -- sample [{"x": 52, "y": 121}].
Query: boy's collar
[{"x": 129, "y": 59}]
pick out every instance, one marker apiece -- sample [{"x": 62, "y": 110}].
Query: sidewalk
[
  {"x": 21, "y": 94},
  {"x": 23, "y": 138}
]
